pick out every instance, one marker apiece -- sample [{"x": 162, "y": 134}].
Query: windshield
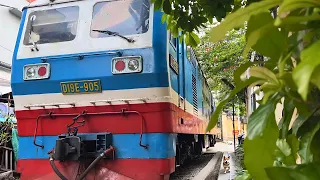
[
  {"x": 50, "y": 26},
  {"x": 126, "y": 17}
]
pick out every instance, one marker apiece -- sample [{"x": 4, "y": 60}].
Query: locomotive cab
[{"x": 62, "y": 27}]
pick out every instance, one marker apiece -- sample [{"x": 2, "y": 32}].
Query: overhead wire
[
  {"x": 3, "y": 5},
  {"x": 5, "y": 48}
]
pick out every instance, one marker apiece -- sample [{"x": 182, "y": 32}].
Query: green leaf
[
  {"x": 287, "y": 78},
  {"x": 315, "y": 77},
  {"x": 194, "y": 39},
  {"x": 244, "y": 176},
  {"x": 259, "y": 152},
  {"x": 288, "y": 108},
  {"x": 167, "y": 6},
  {"x": 309, "y": 171},
  {"x": 295, "y": 20},
  {"x": 243, "y": 68},
  {"x": 263, "y": 73},
  {"x": 284, "y": 147},
  {"x": 288, "y": 5},
  {"x": 294, "y": 145},
  {"x": 302, "y": 73},
  {"x": 164, "y": 18},
  {"x": 262, "y": 34},
  {"x": 259, "y": 119},
  {"x": 312, "y": 170},
  {"x": 238, "y": 18},
  {"x": 307, "y": 132},
  {"x": 284, "y": 153},
  {"x": 268, "y": 90},
  {"x": 282, "y": 173},
  {"x": 299, "y": 122},
  {"x": 214, "y": 118},
  {"x": 158, "y": 4},
  {"x": 315, "y": 147}
]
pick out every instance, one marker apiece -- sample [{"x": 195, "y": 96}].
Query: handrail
[
  {"x": 85, "y": 113},
  {"x": 81, "y": 56}
]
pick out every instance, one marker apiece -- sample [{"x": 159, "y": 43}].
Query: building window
[
  {"x": 253, "y": 102},
  {"x": 173, "y": 41},
  {"x": 189, "y": 53}
]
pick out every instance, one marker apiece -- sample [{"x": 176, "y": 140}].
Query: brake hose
[
  {"x": 92, "y": 165},
  {"x": 55, "y": 169}
]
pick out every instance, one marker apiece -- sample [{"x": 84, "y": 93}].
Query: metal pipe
[
  {"x": 234, "y": 135},
  {"x": 123, "y": 112},
  {"x": 16, "y": 12},
  {"x": 7, "y": 99},
  {"x": 6, "y": 159},
  {"x": 11, "y": 160},
  {"x": 5, "y": 65}
]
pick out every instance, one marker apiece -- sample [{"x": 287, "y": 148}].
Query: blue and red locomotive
[{"x": 103, "y": 91}]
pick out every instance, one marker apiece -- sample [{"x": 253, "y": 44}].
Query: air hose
[
  {"x": 85, "y": 173},
  {"x": 55, "y": 169}
]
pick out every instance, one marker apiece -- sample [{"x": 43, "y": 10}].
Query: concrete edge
[{"x": 210, "y": 170}]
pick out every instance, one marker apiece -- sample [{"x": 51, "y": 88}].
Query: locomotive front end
[{"x": 90, "y": 85}]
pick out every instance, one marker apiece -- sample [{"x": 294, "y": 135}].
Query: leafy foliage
[
  {"x": 239, "y": 159},
  {"x": 219, "y": 62},
  {"x": 188, "y": 16},
  {"x": 286, "y": 32},
  {"x": 6, "y": 127}
]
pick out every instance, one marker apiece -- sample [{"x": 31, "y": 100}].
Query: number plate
[{"x": 86, "y": 86}]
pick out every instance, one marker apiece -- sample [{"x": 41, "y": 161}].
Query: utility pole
[{"x": 234, "y": 134}]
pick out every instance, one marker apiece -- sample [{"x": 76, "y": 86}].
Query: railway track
[{"x": 191, "y": 169}]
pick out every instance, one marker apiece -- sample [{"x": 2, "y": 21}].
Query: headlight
[
  {"x": 36, "y": 71},
  {"x": 133, "y": 65},
  {"x": 31, "y": 72},
  {"x": 127, "y": 64}
]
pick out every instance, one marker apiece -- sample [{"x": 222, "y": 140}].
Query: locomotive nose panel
[{"x": 91, "y": 74}]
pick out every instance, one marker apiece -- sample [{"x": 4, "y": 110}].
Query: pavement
[
  {"x": 229, "y": 175},
  {"x": 214, "y": 169},
  {"x": 227, "y": 149},
  {"x": 222, "y": 147}
]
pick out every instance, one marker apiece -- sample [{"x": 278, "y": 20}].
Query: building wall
[
  {"x": 227, "y": 127},
  {"x": 9, "y": 25}
]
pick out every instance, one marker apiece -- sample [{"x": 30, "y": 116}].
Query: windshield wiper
[
  {"x": 114, "y": 34},
  {"x": 34, "y": 44}
]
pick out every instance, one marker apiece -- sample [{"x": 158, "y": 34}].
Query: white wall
[{"x": 9, "y": 26}]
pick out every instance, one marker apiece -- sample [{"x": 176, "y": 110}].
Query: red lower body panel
[
  {"x": 158, "y": 118},
  {"x": 124, "y": 169}
]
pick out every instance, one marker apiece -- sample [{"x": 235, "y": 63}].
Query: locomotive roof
[{"x": 38, "y": 3}]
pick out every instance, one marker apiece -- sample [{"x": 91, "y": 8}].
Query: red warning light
[
  {"x": 120, "y": 65},
  {"x": 42, "y": 71}
]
